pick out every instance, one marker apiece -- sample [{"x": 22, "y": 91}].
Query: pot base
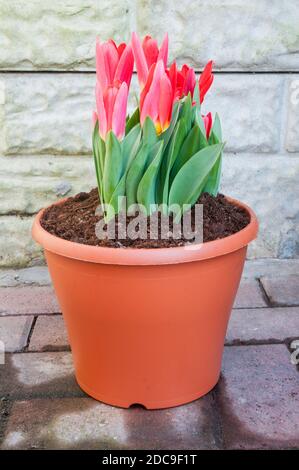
[{"x": 148, "y": 405}]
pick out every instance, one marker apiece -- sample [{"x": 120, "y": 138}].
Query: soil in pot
[{"x": 75, "y": 220}]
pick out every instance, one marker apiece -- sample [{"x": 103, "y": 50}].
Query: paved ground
[{"x": 254, "y": 405}]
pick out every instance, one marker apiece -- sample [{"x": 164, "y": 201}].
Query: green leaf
[
  {"x": 146, "y": 192},
  {"x": 194, "y": 142},
  {"x": 216, "y": 129},
  {"x": 113, "y": 166},
  {"x": 196, "y": 96},
  {"x": 199, "y": 121},
  {"x": 135, "y": 173},
  {"x": 186, "y": 111},
  {"x": 149, "y": 135},
  {"x": 213, "y": 181},
  {"x": 190, "y": 180},
  {"x": 133, "y": 120},
  {"x": 130, "y": 145},
  {"x": 118, "y": 192},
  {"x": 166, "y": 135},
  {"x": 174, "y": 148}
]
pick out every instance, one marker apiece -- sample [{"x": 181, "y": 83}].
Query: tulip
[
  {"x": 205, "y": 80},
  {"x": 208, "y": 123},
  {"x": 186, "y": 81},
  {"x": 147, "y": 54},
  {"x": 112, "y": 108},
  {"x": 157, "y": 97},
  {"x": 114, "y": 64}
]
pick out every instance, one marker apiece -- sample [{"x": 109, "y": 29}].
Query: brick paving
[{"x": 255, "y": 405}]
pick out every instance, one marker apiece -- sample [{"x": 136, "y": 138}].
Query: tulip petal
[
  {"x": 208, "y": 123},
  {"x": 205, "y": 80},
  {"x": 140, "y": 60},
  {"x": 109, "y": 100},
  {"x": 94, "y": 118},
  {"x": 147, "y": 85},
  {"x": 151, "y": 102},
  {"x": 163, "y": 53},
  {"x": 101, "y": 111},
  {"x": 111, "y": 60},
  {"x": 165, "y": 102},
  {"x": 120, "y": 111},
  {"x": 100, "y": 66},
  {"x": 124, "y": 69},
  {"x": 150, "y": 49}
]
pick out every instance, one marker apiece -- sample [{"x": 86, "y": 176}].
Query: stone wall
[{"x": 46, "y": 98}]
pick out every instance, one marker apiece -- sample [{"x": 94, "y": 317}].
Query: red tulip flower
[
  {"x": 205, "y": 80},
  {"x": 147, "y": 54},
  {"x": 208, "y": 120},
  {"x": 186, "y": 81},
  {"x": 157, "y": 97},
  {"x": 114, "y": 64}
]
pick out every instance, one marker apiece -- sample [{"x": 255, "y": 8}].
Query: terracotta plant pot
[{"x": 147, "y": 326}]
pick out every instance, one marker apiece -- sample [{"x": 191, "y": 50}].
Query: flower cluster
[{"x": 166, "y": 152}]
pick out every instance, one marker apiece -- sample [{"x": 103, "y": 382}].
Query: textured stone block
[
  {"x": 250, "y": 110},
  {"x": 49, "y": 334},
  {"x": 263, "y": 325},
  {"x": 59, "y": 35},
  {"x": 44, "y": 374},
  {"x": 14, "y": 332},
  {"x": 259, "y": 398},
  {"x": 51, "y": 113},
  {"x": 83, "y": 423},
  {"x": 292, "y": 134},
  {"x": 282, "y": 290},
  {"x": 249, "y": 295},
  {"x": 237, "y": 35},
  {"x": 268, "y": 185},
  {"x": 28, "y": 300},
  {"x": 30, "y": 183},
  {"x": 16, "y": 245}
]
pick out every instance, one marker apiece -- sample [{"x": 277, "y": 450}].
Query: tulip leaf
[
  {"x": 190, "y": 180},
  {"x": 135, "y": 173},
  {"x": 166, "y": 135},
  {"x": 150, "y": 137},
  {"x": 113, "y": 166},
  {"x": 133, "y": 120},
  {"x": 174, "y": 148},
  {"x": 196, "y": 96},
  {"x": 194, "y": 142},
  {"x": 114, "y": 201},
  {"x": 213, "y": 181},
  {"x": 187, "y": 111},
  {"x": 130, "y": 145},
  {"x": 146, "y": 193},
  {"x": 199, "y": 121}
]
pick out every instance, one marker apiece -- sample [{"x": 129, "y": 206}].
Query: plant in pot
[{"x": 147, "y": 310}]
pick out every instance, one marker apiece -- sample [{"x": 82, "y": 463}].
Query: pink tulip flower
[
  {"x": 147, "y": 54},
  {"x": 157, "y": 97},
  {"x": 112, "y": 109},
  {"x": 114, "y": 64}
]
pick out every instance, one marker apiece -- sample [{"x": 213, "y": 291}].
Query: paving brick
[
  {"x": 282, "y": 290},
  {"x": 259, "y": 398},
  {"x": 28, "y": 300},
  {"x": 47, "y": 374},
  {"x": 249, "y": 295},
  {"x": 49, "y": 334},
  {"x": 263, "y": 324},
  {"x": 83, "y": 423},
  {"x": 14, "y": 332}
]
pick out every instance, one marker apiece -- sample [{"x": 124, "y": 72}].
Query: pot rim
[{"x": 145, "y": 256}]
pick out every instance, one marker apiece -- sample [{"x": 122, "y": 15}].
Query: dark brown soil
[{"x": 75, "y": 220}]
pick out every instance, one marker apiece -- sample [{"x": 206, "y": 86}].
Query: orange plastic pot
[{"x": 147, "y": 326}]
